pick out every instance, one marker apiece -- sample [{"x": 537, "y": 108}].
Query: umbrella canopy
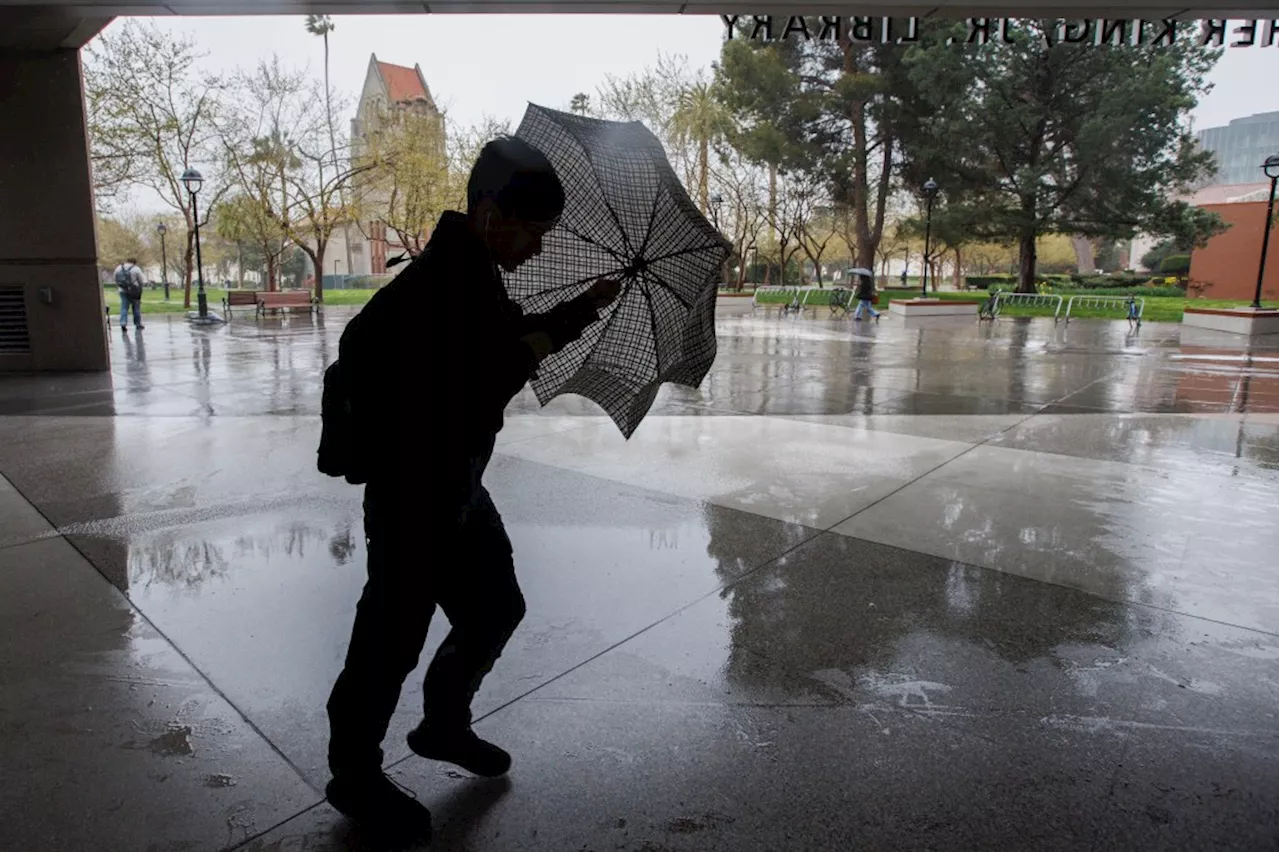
[{"x": 628, "y": 217}]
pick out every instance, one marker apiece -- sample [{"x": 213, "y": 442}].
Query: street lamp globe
[
  {"x": 192, "y": 180},
  {"x": 931, "y": 187},
  {"x": 1271, "y": 168},
  {"x": 161, "y": 229}
]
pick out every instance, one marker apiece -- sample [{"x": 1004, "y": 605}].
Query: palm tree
[
  {"x": 700, "y": 119},
  {"x": 322, "y": 25}
]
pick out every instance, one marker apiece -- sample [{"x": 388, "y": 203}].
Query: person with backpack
[
  {"x": 129, "y": 282},
  {"x": 411, "y": 409}
]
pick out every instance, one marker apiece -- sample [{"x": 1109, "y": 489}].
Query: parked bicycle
[{"x": 990, "y": 309}]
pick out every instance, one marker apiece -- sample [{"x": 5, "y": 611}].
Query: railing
[
  {"x": 774, "y": 288},
  {"x": 1131, "y": 306},
  {"x": 1031, "y": 300}
]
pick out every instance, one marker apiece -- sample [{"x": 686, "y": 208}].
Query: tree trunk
[
  {"x": 1084, "y": 255},
  {"x": 957, "y": 279},
  {"x": 1027, "y": 263},
  {"x": 773, "y": 214},
  {"x": 703, "y": 168},
  {"x": 317, "y": 260},
  {"x": 240, "y": 265}
]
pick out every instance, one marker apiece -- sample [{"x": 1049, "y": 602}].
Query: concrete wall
[
  {"x": 47, "y": 241},
  {"x": 1228, "y": 265}
]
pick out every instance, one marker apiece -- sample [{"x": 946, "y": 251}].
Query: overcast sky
[{"x": 478, "y": 65}]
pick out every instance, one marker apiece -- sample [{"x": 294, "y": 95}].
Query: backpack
[
  {"x": 339, "y": 453},
  {"x": 124, "y": 280}
]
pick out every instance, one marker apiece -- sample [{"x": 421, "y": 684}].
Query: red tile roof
[{"x": 403, "y": 84}]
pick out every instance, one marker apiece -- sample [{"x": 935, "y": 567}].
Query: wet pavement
[{"x": 931, "y": 586}]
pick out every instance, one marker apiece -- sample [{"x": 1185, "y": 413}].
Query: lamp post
[
  {"x": 1271, "y": 168},
  {"x": 930, "y": 191},
  {"x": 716, "y": 201},
  {"x": 192, "y": 180},
  {"x": 164, "y": 259}
]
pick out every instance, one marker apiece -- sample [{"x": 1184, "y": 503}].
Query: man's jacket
[{"x": 429, "y": 364}]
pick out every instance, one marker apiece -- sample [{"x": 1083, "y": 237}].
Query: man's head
[
  {"x": 132, "y": 261},
  {"x": 513, "y": 198}
]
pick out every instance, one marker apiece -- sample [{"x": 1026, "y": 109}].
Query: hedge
[{"x": 1176, "y": 264}]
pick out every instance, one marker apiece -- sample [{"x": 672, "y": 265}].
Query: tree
[
  {"x": 743, "y": 212},
  {"x": 700, "y": 120},
  {"x": 244, "y": 219},
  {"x": 761, "y": 92},
  {"x": 145, "y": 87},
  {"x": 322, "y": 25},
  {"x": 580, "y": 104},
  {"x": 117, "y": 242},
  {"x": 814, "y": 226},
  {"x": 277, "y": 146},
  {"x": 317, "y": 196},
  {"x": 1044, "y": 136}
]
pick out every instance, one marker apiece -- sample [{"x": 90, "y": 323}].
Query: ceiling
[{"x": 43, "y": 24}]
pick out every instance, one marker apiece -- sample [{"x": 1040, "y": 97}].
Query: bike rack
[
  {"x": 1031, "y": 300},
  {"x": 1103, "y": 302},
  {"x": 772, "y": 288}
]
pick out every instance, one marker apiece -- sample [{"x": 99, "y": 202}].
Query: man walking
[
  {"x": 129, "y": 282},
  {"x": 424, "y": 373}
]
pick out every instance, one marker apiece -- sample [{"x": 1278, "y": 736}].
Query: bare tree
[
  {"x": 744, "y": 208},
  {"x": 814, "y": 225}
]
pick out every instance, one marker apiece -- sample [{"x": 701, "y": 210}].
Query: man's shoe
[
  {"x": 380, "y": 807},
  {"x": 462, "y": 748},
  {"x": 139, "y": 326}
]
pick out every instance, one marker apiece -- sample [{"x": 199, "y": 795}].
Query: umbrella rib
[
  {"x": 684, "y": 251},
  {"x": 653, "y": 214},
  {"x": 653, "y": 326},
  {"x": 597, "y": 243},
  {"x": 592, "y": 277},
  {"x": 586, "y": 152},
  {"x": 672, "y": 290}
]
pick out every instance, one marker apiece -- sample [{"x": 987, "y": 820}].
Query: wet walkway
[{"x": 951, "y": 586}]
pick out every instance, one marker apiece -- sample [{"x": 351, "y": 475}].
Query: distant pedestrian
[
  {"x": 129, "y": 282},
  {"x": 865, "y": 292},
  {"x": 904, "y": 277}
]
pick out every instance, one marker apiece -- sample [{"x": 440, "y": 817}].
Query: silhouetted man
[{"x": 428, "y": 366}]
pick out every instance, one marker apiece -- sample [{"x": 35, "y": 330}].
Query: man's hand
[
  {"x": 540, "y": 342},
  {"x": 603, "y": 293}
]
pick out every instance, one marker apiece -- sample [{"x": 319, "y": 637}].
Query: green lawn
[
  {"x": 153, "y": 300},
  {"x": 1155, "y": 309}
]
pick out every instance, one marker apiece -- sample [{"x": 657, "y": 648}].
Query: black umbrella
[{"x": 628, "y": 217}]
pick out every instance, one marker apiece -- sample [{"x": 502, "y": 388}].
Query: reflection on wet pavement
[{"x": 956, "y": 586}]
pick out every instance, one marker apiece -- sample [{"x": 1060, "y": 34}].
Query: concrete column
[{"x": 48, "y": 249}]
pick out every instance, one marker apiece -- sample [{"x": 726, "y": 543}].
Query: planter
[
  {"x": 932, "y": 308},
  {"x": 1246, "y": 321}
]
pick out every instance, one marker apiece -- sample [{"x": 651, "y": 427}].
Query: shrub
[
  {"x": 986, "y": 282},
  {"x": 368, "y": 282},
  {"x": 1176, "y": 264}
]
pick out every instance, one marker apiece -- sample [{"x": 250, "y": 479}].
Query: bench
[
  {"x": 284, "y": 299},
  {"x": 241, "y": 299}
]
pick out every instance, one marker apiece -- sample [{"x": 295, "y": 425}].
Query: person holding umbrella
[
  {"x": 865, "y": 293},
  {"x": 412, "y": 408}
]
